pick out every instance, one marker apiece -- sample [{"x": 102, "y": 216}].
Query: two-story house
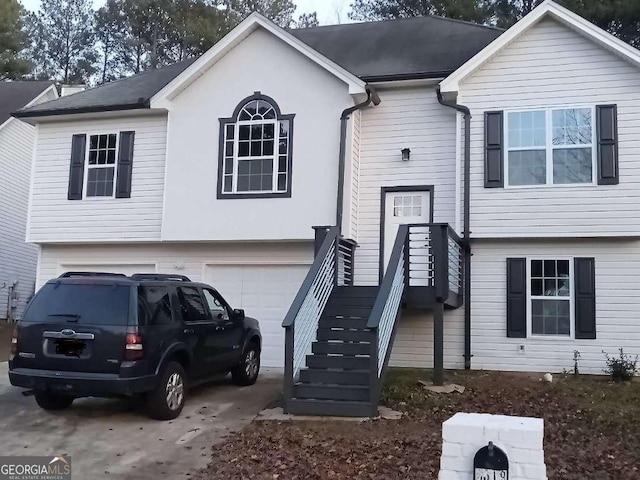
[
  {"x": 479, "y": 187},
  {"x": 18, "y": 260}
]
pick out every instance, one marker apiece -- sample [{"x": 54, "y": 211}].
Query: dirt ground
[
  {"x": 592, "y": 431},
  {"x": 5, "y": 340}
]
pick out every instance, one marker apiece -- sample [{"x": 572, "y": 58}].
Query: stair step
[
  {"x": 336, "y": 377},
  {"x": 340, "y": 322},
  {"x": 338, "y": 362},
  {"x": 321, "y": 391},
  {"x": 334, "y": 309},
  {"x": 341, "y": 348},
  {"x": 331, "y": 407},
  {"x": 366, "y": 302},
  {"x": 344, "y": 335},
  {"x": 352, "y": 292}
]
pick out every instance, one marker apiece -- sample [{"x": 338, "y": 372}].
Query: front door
[{"x": 402, "y": 208}]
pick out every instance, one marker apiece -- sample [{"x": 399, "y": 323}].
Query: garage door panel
[
  {"x": 127, "y": 269},
  {"x": 265, "y": 292}
]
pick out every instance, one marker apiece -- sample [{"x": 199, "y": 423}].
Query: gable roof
[
  {"x": 409, "y": 48},
  {"x": 15, "y": 95},
  {"x": 547, "y": 9},
  {"x": 125, "y": 94},
  {"x": 414, "y": 48}
]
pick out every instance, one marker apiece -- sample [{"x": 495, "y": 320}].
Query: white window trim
[
  {"x": 237, "y": 159},
  {"x": 87, "y": 167},
  {"x": 572, "y": 313},
  {"x": 549, "y": 147}
]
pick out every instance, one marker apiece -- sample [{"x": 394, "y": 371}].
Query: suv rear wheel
[
  {"x": 246, "y": 373},
  {"x": 52, "y": 401},
  {"x": 166, "y": 401}
]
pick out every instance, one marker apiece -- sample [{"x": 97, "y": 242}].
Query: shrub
[{"x": 621, "y": 368}]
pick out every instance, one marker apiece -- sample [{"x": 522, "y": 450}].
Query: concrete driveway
[{"x": 114, "y": 439}]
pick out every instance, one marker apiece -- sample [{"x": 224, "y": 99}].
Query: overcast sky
[{"x": 329, "y": 11}]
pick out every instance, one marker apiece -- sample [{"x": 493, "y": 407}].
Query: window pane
[
  {"x": 256, "y": 149},
  {"x": 230, "y": 129},
  {"x": 572, "y": 126},
  {"x": 229, "y": 149},
  {"x": 243, "y": 149},
  {"x": 282, "y": 164},
  {"x": 244, "y": 132},
  {"x": 93, "y": 157},
  {"x": 536, "y": 268},
  {"x": 527, "y": 167},
  {"x": 93, "y": 142},
  {"x": 563, "y": 268},
  {"x": 267, "y": 148},
  {"x": 102, "y": 141},
  {"x": 549, "y": 268},
  {"x": 191, "y": 306},
  {"x": 550, "y": 287},
  {"x": 536, "y": 287},
  {"x": 243, "y": 183},
  {"x": 282, "y": 182},
  {"x": 550, "y": 317},
  {"x": 527, "y": 129},
  {"x": 256, "y": 132},
  {"x": 228, "y": 179},
  {"x": 284, "y": 128},
  {"x": 100, "y": 182},
  {"x": 154, "y": 306},
  {"x": 572, "y": 165},
  {"x": 112, "y": 140},
  {"x": 111, "y": 157},
  {"x": 269, "y": 130}
]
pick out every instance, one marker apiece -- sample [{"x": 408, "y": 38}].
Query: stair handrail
[
  {"x": 301, "y": 321},
  {"x": 382, "y": 320}
]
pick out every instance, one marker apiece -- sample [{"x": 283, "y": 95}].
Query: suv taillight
[
  {"x": 133, "y": 349},
  {"x": 14, "y": 341}
]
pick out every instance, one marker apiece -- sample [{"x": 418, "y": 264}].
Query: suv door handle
[{"x": 188, "y": 330}]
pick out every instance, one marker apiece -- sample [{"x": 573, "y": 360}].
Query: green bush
[{"x": 621, "y": 368}]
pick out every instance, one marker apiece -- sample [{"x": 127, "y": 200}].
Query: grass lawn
[{"x": 592, "y": 431}]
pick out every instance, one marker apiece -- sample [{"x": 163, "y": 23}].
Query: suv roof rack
[
  {"x": 91, "y": 274},
  {"x": 161, "y": 277}
]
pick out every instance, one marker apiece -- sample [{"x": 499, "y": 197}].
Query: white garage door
[
  {"x": 127, "y": 269},
  {"x": 265, "y": 292}
]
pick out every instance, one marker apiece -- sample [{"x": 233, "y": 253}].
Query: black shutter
[
  {"x": 585, "y": 292},
  {"x": 607, "y": 130},
  {"x": 76, "y": 171},
  {"x": 493, "y": 150},
  {"x": 517, "y": 297},
  {"x": 125, "y": 165}
]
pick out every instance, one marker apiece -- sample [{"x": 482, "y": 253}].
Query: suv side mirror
[{"x": 238, "y": 314}]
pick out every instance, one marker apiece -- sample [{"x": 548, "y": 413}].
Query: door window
[
  {"x": 217, "y": 308},
  {"x": 191, "y": 305}
]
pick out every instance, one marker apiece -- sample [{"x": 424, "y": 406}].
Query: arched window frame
[{"x": 232, "y": 171}]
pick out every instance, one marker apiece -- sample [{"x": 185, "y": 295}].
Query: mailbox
[{"x": 490, "y": 463}]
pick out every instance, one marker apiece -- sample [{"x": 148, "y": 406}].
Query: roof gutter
[
  {"x": 466, "y": 221},
  {"x": 71, "y": 111},
  {"x": 372, "y": 97}
]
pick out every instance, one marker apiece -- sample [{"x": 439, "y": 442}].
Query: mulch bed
[
  {"x": 5, "y": 340},
  {"x": 592, "y": 431}
]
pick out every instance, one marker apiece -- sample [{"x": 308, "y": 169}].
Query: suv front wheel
[
  {"x": 165, "y": 402},
  {"x": 52, "y": 401},
  {"x": 246, "y": 373}
]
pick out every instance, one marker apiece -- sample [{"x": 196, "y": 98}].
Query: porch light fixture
[{"x": 406, "y": 154}]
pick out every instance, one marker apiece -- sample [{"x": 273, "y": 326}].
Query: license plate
[{"x": 70, "y": 348}]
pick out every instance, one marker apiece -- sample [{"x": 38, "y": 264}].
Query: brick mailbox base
[{"x": 519, "y": 437}]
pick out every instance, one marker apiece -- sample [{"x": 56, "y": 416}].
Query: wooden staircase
[
  {"x": 338, "y": 337},
  {"x": 337, "y": 377}
]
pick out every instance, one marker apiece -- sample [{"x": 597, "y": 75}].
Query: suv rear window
[{"x": 87, "y": 304}]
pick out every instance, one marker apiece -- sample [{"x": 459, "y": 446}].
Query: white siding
[
  {"x": 406, "y": 118},
  {"x": 17, "y": 259},
  {"x": 552, "y": 65},
  {"x": 53, "y": 218},
  {"x": 178, "y": 258},
  {"x": 617, "y": 305},
  {"x": 262, "y": 63},
  {"x": 413, "y": 344}
]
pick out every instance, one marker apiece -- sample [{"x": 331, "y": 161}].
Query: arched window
[{"x": 255, "y": 151}]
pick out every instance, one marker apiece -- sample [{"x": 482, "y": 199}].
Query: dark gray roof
[
  {"x": 125, "y": 94},
  {"x": 15, "y": 95},
  {"x": 421, "y": 47},
  {"x": 410, "y": 48}
]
